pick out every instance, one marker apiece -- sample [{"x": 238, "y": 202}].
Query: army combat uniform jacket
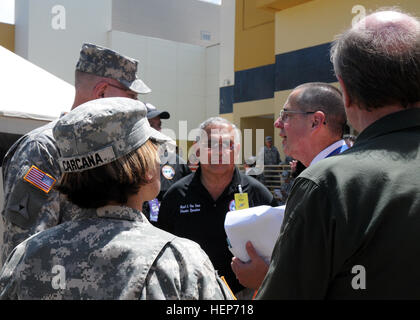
[
  {"x": 30, "y": 170},
  {"x": 113, "y": 253}
]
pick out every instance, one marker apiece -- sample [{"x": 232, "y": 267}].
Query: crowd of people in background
[{"x": 92, "y": 212}]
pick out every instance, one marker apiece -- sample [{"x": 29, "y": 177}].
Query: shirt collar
[
  {"x": 396, "y": 121},
  {"x": 324, "y": 153},
  {"x": 236, "y": 179},
  {"x": 119, "y": 212}
]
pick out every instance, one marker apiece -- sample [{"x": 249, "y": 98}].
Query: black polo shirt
[{"x": 188, "y": 210}]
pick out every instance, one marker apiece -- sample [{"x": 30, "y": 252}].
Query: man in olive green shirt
[{"x": 352, "y": 221}]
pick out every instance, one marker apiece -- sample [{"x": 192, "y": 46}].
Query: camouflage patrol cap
[
  {"x": 101, "y": 131},
  {"x": 104, "y": 62}
]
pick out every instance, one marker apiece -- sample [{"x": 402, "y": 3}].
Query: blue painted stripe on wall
[
  {"x": 304, "y": 65},
  {"x": 254, "y": 84},
  {"x": 226, "y": 99},
  {"x": 290, "y": 70}
]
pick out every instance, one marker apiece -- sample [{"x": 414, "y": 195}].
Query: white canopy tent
[
  {"x": 29, "y": 98},
  {"x": 29, "y": 92}
]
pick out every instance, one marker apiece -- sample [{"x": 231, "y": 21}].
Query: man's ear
[
  {"x": 346, "y": 98},
  {"x": 99, "y": 90},
  {"x": 318, "y": 119}
]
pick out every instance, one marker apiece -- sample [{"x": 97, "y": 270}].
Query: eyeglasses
[
  {"x": 129, "y": 92},
  {"x": 215, "y": 145},
  {"x": 284, "y": 113},
  {"x": 118, "y": 87}
]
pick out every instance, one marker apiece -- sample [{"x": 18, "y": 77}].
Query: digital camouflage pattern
[
  {"x": 112, "y": 253},
  {"x": 27, "y": 209},
  {"x": 104, "y": 62},
  {"x": 101, "y": 131}
]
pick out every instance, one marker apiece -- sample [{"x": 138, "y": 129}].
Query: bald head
[
  {"x": 379, "y": 60},
  {"x": 392, "y": 30},
  {"x": 383, "y": 20}
]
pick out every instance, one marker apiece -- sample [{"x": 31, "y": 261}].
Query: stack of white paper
[{"x": 260, "y": 225}]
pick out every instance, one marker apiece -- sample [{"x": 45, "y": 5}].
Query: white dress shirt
[{"x": 325, "y": 153}]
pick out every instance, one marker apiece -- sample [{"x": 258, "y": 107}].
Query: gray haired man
[
  {"x": 195, "y": 207},
  {"x": 30, "y": 167}
]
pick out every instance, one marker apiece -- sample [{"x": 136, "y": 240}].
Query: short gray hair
[{"x": 215, "y": 120}]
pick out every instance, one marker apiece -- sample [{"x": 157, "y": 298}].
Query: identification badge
[
  {"x": 241, "y": 201},
  {"x": 154, "y": 209}
]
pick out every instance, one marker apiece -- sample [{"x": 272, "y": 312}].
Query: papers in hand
[{"x": 260, "y": 225}]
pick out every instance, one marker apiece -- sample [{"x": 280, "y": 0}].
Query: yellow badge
[{"x": 241, "y": 201}]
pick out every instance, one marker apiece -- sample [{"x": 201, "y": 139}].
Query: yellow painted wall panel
[
  {"x": 258, "y": 123},
  {"x": 253, "y": 17},
  {"x": 252, "y": 109},
  {"x": 254, "y": 40},
  {"x": 319, "y": 21},
  {"x": 254, "y": 123},
  {"x": 227, "y": 116},
  {"x": 7, "y": 36},
  {"x": 279, "y": 4}
]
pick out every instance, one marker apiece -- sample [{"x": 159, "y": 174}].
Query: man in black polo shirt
[{"x": 195, "y": 207}]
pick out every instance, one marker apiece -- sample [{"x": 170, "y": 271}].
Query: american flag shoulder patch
[{"x": 39, "y": 179}]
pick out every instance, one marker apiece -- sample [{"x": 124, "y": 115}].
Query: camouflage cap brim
[{"x": 137, "y": 86}]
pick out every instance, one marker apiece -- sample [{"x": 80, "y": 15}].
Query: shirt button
[{"x": 214, "y": 205}]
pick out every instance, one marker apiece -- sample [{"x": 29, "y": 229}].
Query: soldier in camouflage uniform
[
  {"x": 271, "y": 158},
  {"x": 110, "y": 250},
  {"x": 30, "y": 167}
]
